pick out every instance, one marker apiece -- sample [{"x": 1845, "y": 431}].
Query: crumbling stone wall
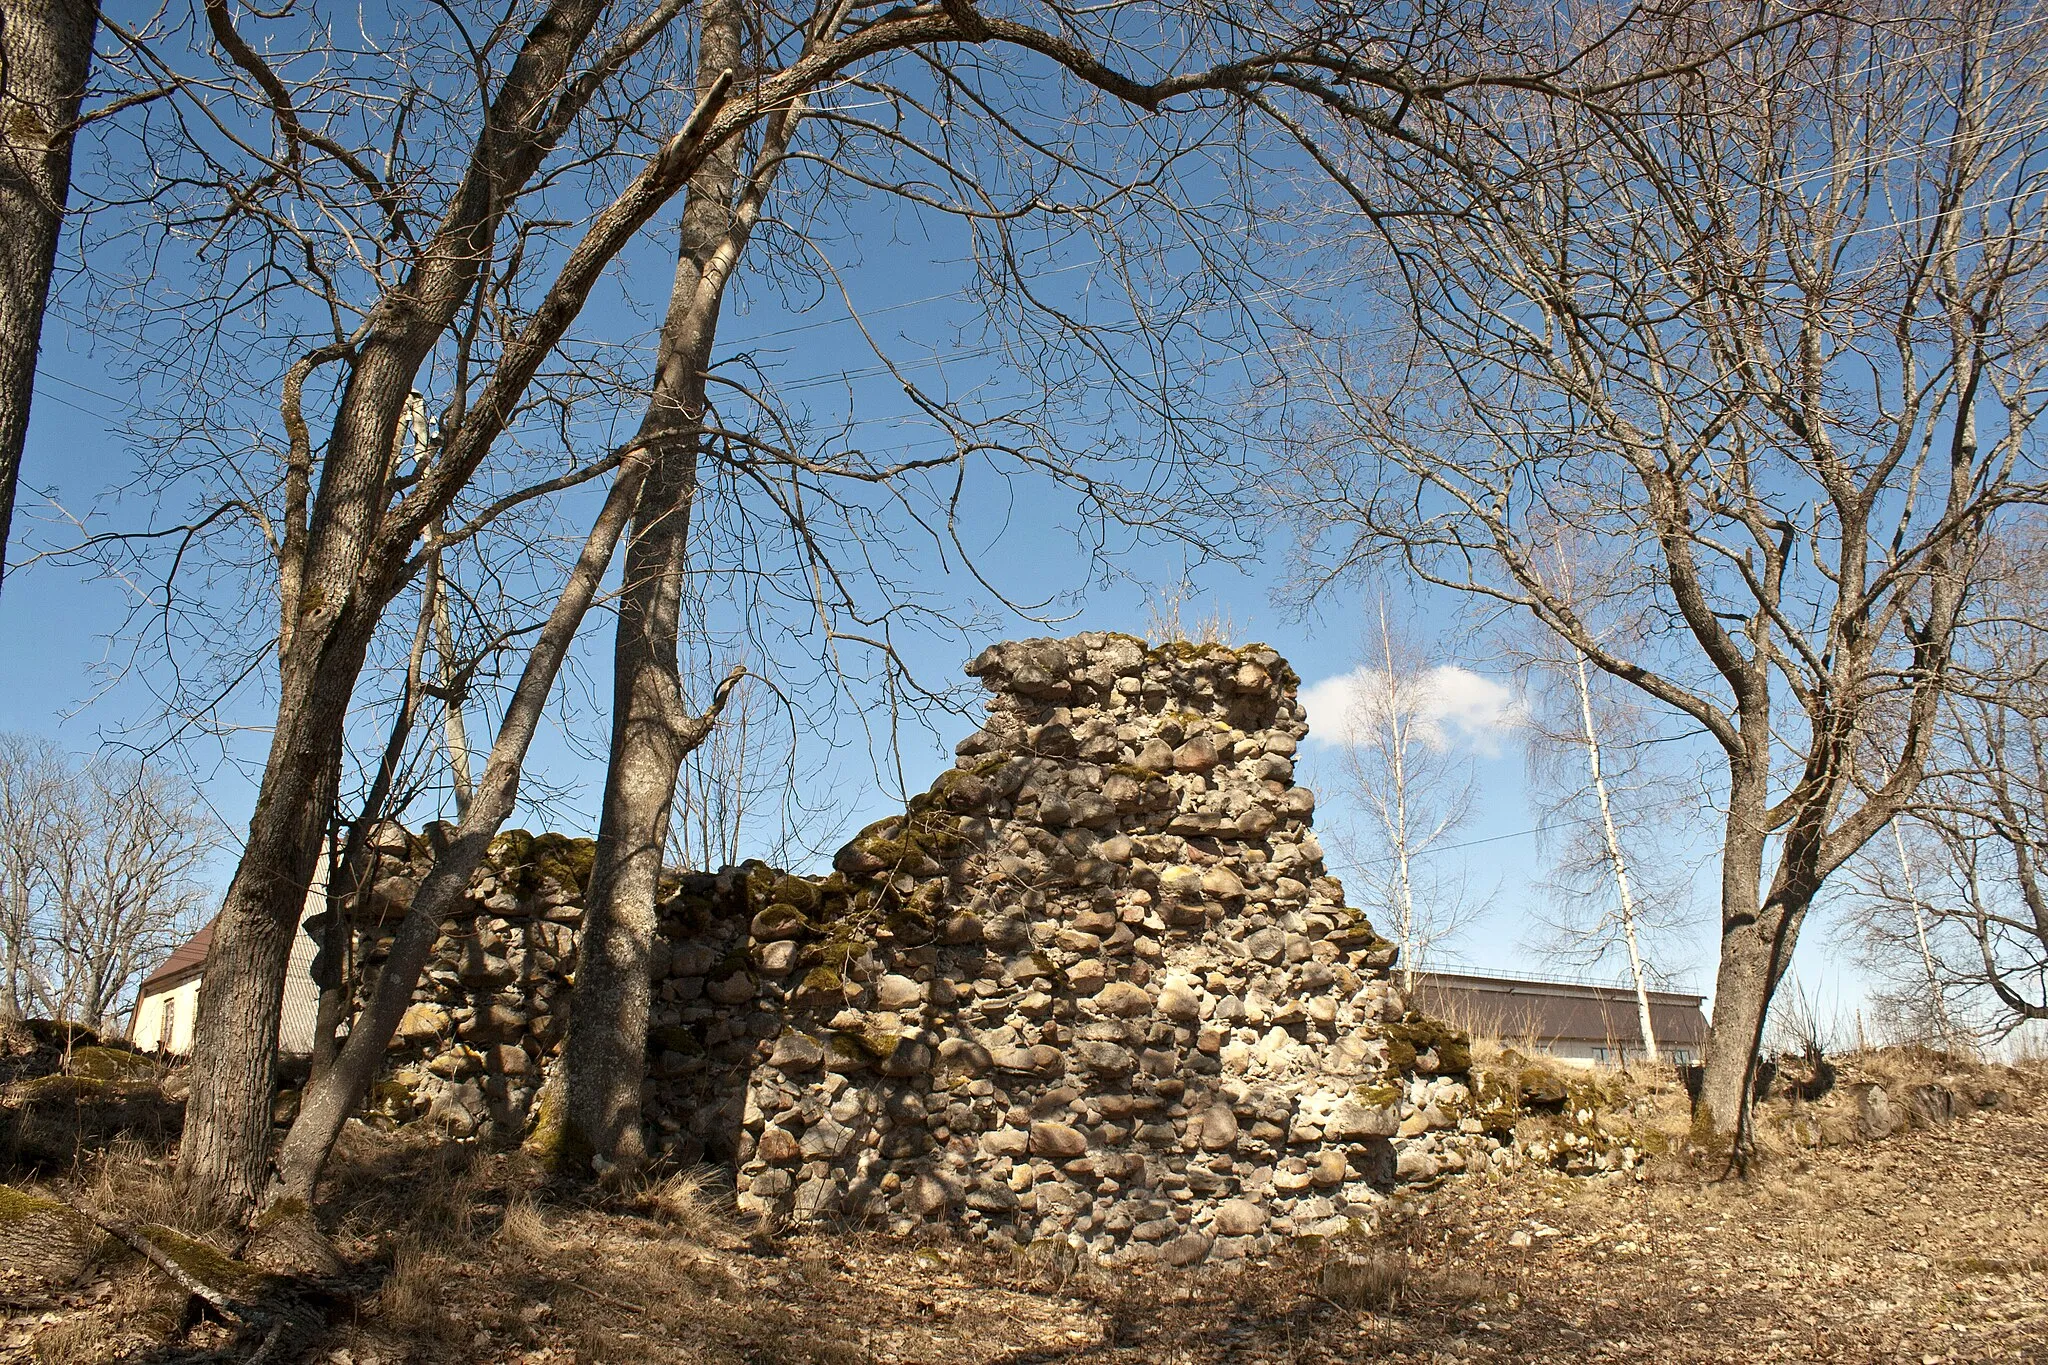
[{"x": 1095, "y": 984}]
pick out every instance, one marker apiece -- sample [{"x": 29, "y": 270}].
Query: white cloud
[{"x": 1451, "y": 705}]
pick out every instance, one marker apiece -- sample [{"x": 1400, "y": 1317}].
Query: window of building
[{"x": 167, "y": 1024}]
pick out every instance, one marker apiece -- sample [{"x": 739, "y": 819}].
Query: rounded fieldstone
[
  {"x": 895, "y": 992},
  {"x": 1218, "y": 1128},
  {"x": 1239, "y": 1218},
  {"x": 1221, "y": 883},
  {"x": 1178, "y": 1003},
  {"x": 1123, "y": 999},
  {"x": 777, "y": 1147},
  {"x": 1057, "y": 1140}
]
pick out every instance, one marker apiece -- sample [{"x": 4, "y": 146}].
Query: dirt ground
[{"x": 1929, "y": 1246}]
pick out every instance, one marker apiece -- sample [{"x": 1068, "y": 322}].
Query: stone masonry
[{"x": 1095, "y": 985}]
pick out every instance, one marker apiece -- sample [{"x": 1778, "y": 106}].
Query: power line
[{"x": 1495, "y": 838}]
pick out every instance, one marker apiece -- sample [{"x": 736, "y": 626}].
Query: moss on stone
[
  {"x": 1378, "y": 1096},
  {"x": 801, "y": 892},
  {"x": 1187, "y": 651},
  {"x": 1415, "y": 1034},
  {"x": 511, "y": 848},
  {"x": 779, "y": 920},
  {"x": 524, "y": 860},
  {"x": 909, "y": 927},
  {"x": 111, "y": 1064},
  {"x": 391, "y": 1097},
  {"x": 822, "y": 980},
  {"x": 847, "y": 1048},
  {"x": 880, "y": 1044},
  {"x": 841, "y": 953},
  {"x": 58, "y": 1089},
  {"x": 565, "y": 860}
]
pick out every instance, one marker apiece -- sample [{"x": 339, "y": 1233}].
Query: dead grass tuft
[
  {"x": 131, "y": 1182},
  {"x": 523, "y": 1229},
  {"x": 694, "y": 1204},
  {"x": 72, "y": 1341},
  {"x": 1372, "y": 1282},
  {"x": 412, "y": 1295}
]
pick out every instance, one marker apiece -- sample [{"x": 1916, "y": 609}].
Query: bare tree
[
  {"x": 605, "y": 1053},
  {"x": 1767, "y": 329},
  {"x": 746, "y": 792},
  {"x": 45, "y": 55},
  {"x": 1952, "y": 918},
  {"x": 102, "y": 864},
  {"x": 1403, "y": 768},
  {"x": 328, "y": 1102}
]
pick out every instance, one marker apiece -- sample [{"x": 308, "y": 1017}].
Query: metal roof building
[{"x": 1573, "y": 1020}]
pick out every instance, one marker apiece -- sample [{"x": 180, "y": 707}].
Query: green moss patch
[
  {"x": 209, "y": 1265},
  {"x": 111, "y": 1064}
]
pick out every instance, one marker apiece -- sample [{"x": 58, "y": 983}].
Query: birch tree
[
  {"x": 1615, "y": 827},
  {"x": 1402, "y": 768}
]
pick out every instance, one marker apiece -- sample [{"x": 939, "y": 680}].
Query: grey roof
[{"x": 1512, "y": 1009}]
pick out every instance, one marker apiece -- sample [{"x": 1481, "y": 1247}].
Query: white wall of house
[
  {"x": 180, "y": 999},
  {"x": 178, "y": 1004}
]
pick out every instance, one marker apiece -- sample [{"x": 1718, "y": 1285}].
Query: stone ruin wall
[{"x": 1094, "y": 985}]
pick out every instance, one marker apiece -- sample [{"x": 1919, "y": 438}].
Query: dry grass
[
  {"x": 1170, "y": 617},
  {"x": 131, "y": 1182},
  {"x": 695, "y": 1204},
  {"x": 482, "y": 1259},
  {"x": 1372, "y": 1282},
  {"x": 413, "y": 1294},
  {"x": 72, "y": 1341},
  {"x": 523, "y": 1228}
]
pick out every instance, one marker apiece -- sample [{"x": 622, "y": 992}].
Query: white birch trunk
[{"x": 1615, "y": 858}]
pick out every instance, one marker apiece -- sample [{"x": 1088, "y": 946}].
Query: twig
[{"x": 603, "y": 1297}]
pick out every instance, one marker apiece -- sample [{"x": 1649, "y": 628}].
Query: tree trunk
[
  {"x": 1617, "y": 862},
  {"x": 339, "y": 571},
  {"x": 45, "y": 53},
  {"x": 605, "y": 1056},
  {"x": 348, "y": 872},
  {"x": 1756, "y": 936},
  {"x": 330, "y": 1099},
  {"x": 226, "y": 1143}
]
